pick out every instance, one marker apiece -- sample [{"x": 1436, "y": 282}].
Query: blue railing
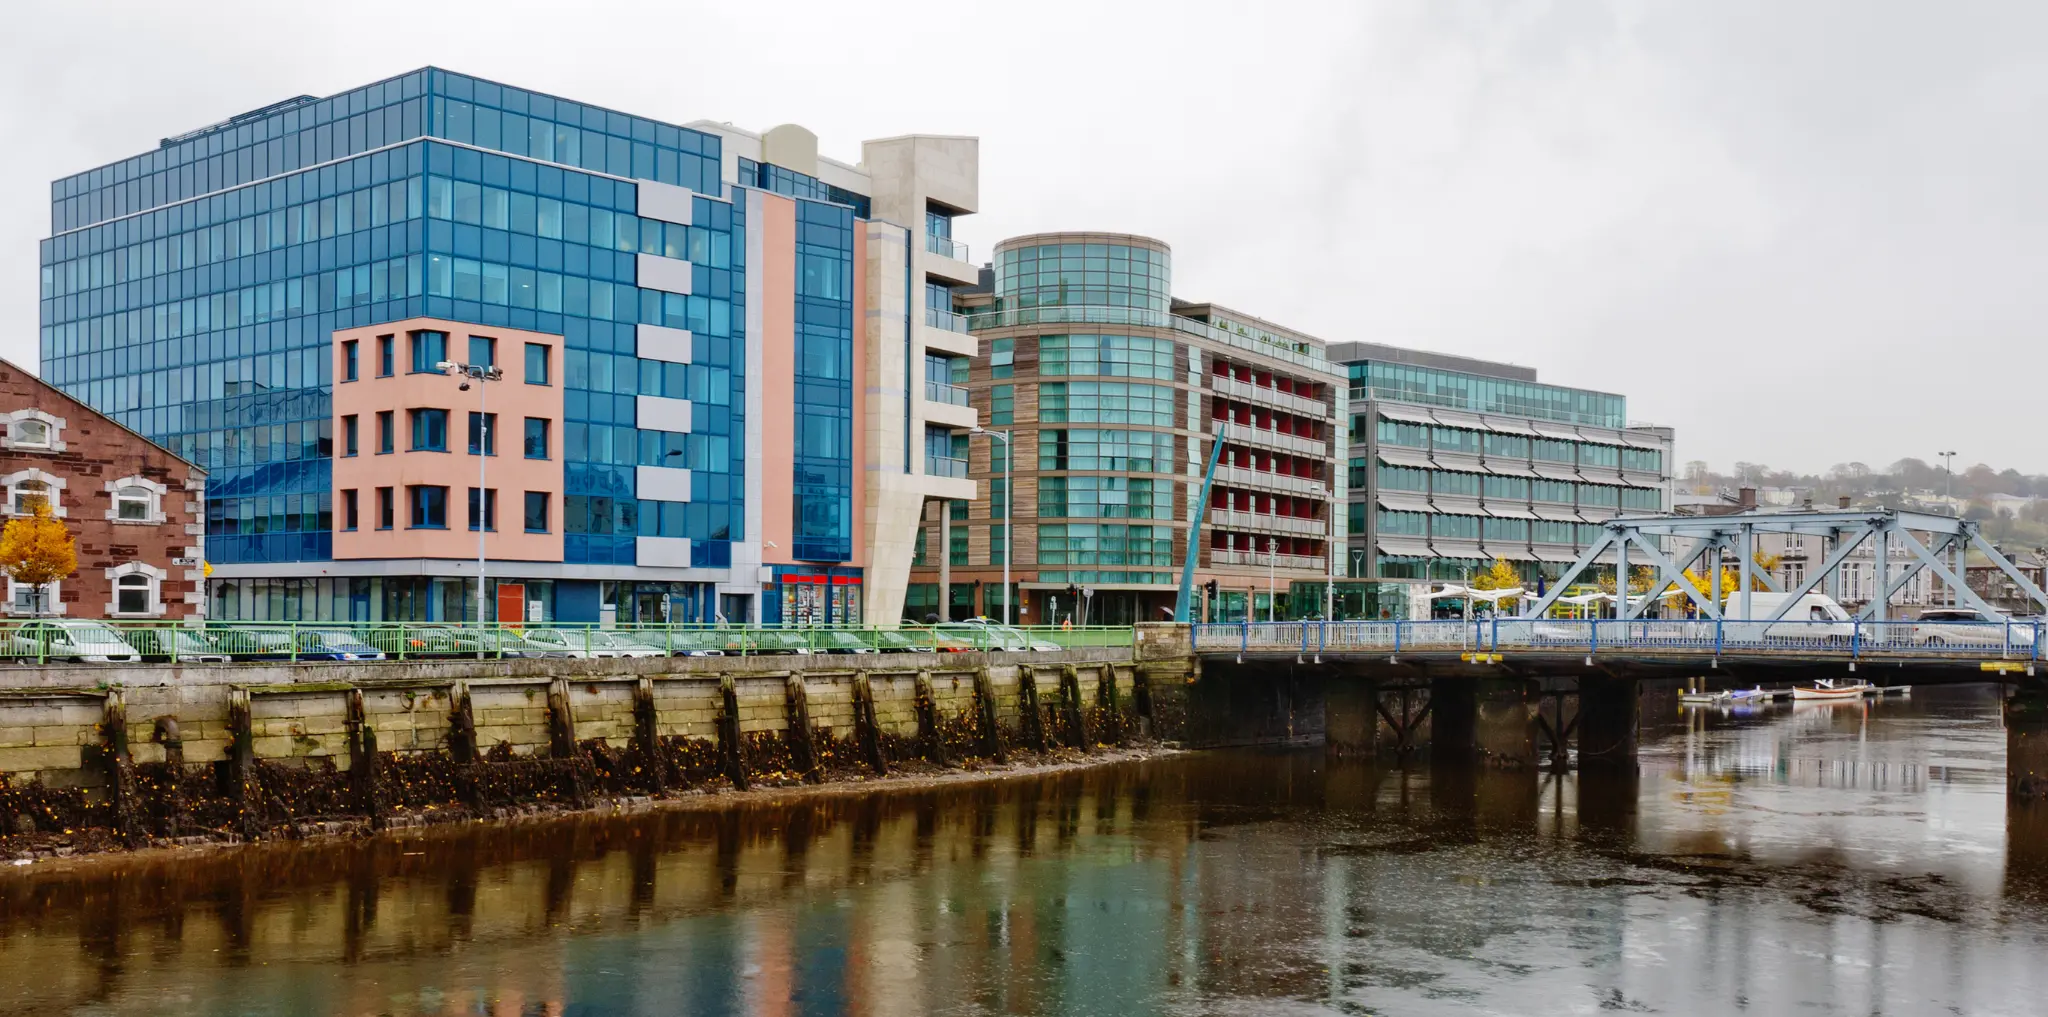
[{"x": 2003, "y": 639}]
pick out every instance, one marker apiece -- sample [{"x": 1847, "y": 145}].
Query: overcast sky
[{"x": 1802, "y": 233}]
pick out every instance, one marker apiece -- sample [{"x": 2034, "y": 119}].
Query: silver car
[{"x": 1966, "y": 627}]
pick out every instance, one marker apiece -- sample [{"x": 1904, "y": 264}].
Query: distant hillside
[{"x": 2013, "y": 506}]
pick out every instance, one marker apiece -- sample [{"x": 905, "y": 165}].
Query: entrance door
[{"x": 511, "y": 604}]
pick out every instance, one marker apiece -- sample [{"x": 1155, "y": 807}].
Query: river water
[{"x": 1800, "y": 858}]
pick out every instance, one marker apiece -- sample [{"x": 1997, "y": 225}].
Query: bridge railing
[{"x": 2006, "y": 639}]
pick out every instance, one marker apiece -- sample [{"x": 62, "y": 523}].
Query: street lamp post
[
  {"x": 1009, "y": 525},
  {"x": 479, "y": 373},
  {"x": 1272, "y": 570},
  {"x": 1948, "y": 497}
]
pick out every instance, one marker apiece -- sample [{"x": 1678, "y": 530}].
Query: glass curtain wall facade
[{"x": 191, "y": 292}]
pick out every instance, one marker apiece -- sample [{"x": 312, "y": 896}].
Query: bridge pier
[
  {"x": 2026, "y": 741},
  {"x": 1351, "y": 716},
  {"x": 1504, "y": 727},
  {"x": 1609, "y": 711},
  {"x": 1453, "y": 719}
]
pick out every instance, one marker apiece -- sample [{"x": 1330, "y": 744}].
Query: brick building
[{"x": 131, "y": 506}]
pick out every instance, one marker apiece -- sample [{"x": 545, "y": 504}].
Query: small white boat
[
  {"x": 1828, "y": 688},
  {"x": 1705, "y": 698},
  {"x": 1891, "y": 690},
  {"x": 1755, "y": 695}
]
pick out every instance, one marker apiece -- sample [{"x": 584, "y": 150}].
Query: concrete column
[
  {"x": 1453, "y": 717},
  {"x": 1351, "y": 720},
  {"x": 945, "y": 560},
  {"x": 2026, "y": 741},
  {"x": 1504, "y": 724},
  {"x": 1609, "y": 710}
]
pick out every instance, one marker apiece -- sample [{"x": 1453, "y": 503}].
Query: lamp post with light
[{"x": 479, "y": 373}]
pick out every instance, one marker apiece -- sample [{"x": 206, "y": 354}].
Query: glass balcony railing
[
  {"x": 944, "y": 466},
  {"x": 941, "y": 392},
  {"x": 945, "y": 247},
  {"x": 1100, "y": 315},
  {"x": 940, "y": 318}
]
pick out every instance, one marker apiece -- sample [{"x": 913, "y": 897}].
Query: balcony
[
  {"x": 945, "y": 247},
  {"x": 1232, "y": 519},
  {"x": 1269, "y": 397},
  {"x": 945, "y": 466},
  {"x": 1238, "y": 476},
  {"x": 1247, "y": 434},
  {"x": 940, "y": 392},
  {"x": 944, "y": 319},
  {"x": 1098, "y": 315},
  {"x": 1228, "y": 556}
]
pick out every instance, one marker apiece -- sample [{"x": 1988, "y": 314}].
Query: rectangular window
[
  {"x": 348, "y": 360},
  {"x": 384, "y": 356},
  {"x": 429, "y": 506},
  {"x": 384, "y": 432},
  {"x": 384, "y": 508},
  {"x": 490, "y": 501},
  {"x": 428, "y": 349},
  {"x": 348, "y": 435},
  {"x": 536, "y": 512},
  {"x": 536, "y": 363},
  {"x": 483, "y": 433},
  {"x": 348, "y": 510},
  {"x": 537, "y": 437},
  {"x": 483, "y": 351},
  {"x": 429, "y": 430}
]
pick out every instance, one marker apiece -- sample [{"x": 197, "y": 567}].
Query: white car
[
  {"x": 80, "y": 641},
  {"x": 1965, "y": 627},
  {"x": 584, "y": 643}
]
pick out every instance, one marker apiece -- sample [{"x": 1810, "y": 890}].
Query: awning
[
  {"x": 1553, "y": 552},
  {"x": 1549, "y": 430},
  {"x": 1635, "y": 440},
  {"x": 1512, "y": 552},
  {"x": 1459, "y": 418},
  {"x": 1597, "y": 514},
  {"x": 1509, "y": 510},
  {"x": 1554, "y": 471},
  {"x": 1410, "y": 457},
  {"x": 1405, "y": 547},
  {"x": 1600, "y": 436},
  {"x": 1404, "y": 501},
  {"x": 1457, "y": 549},
  {"x": 1456, "y": 505},
  {"x": 1510, "y": 425},
  {"x": 1509, "y": 468},
  {"x": 1459, "y": 461},
  {"x": 1643, "y": 480},
  {"x": 1556, "y": 513},
  {"x": 1405, "y": 414}
]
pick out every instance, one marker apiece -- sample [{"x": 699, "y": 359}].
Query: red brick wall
[{"x": 96, "y": 451}]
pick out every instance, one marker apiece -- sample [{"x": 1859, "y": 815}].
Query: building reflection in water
[{"x": 1750, "y": 845}]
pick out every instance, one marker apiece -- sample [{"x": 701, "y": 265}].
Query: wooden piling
[
  {"x": 562, "y": 740},
  {"x": 462, "y": 747},
  {"x": 1030, "y": 717},
  {"x": 1112, "y": 711},
  {"x": 1070, "y": 704},
  {"x": 929, "y": 733},
  {"x": 362, "y": 762},
  {"x": 120, "y": 768},
  {"x": 647, "y": 737},
  {"x": 243, "y": 789},
  {"x": 165, "y": 732},
  {"x": 803, "y": 746},
  {"x": 1141, "y": 701},
  {"x": 866, "y": 731},
  {"x": 730, "y": 748},
  {"x": 985, "y": 708}
]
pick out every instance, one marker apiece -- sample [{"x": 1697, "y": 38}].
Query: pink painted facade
[
  {"x": 778, "y": 382},
  {"x": 511, "y": 474}
]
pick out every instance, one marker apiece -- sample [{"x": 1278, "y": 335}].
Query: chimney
[
  {"x": 1807, "y": 504},
  {"x": 1842, "y": 502},
  {"x": 1745, "y": 498}
]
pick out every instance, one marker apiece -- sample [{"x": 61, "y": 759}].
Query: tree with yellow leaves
[
  {"x": 37, "y": 550},
  {"x": 1499, "y": 576},
  {"x": 1730, "y": 580}
]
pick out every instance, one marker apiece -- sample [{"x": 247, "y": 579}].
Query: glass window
[
  {"x": 483, "y": 433},
  {"x": 348, "y": 360},
  {"x": 1464, "y": 485},
  {"x": 536, "y": 363},
  {"x": 1404, "y": 434},
  {"x": 133, "y": 594},
  {"x": 536, "y": 512},
  {"x": 134, "y": 504},
  {"x": 1402, "y": 478},
  {"x": 429, "y": 506},
  {"x": 1410, "y": 523},
  {"x": 428, "y": 349},
  {"x": 31, "y": 433},
  {"x": 490, "y": 508},
  {"x": 429, "y": 430},
  {"x": 384, "y": 508},
  {"x": 1111, "y": 355},
  {"x": 384, "y": 438},
  {"x": 30, "y": 495},
  {"x": 1002, "y": 404},
  {"x": 1454, "y": 527},
  {"x": 1105, "y": 402},
  {"x": 384, "y": 344},
  {"x": 348, "y": 435},
  {"x": 537, "y": 437},
  {"x": 483, "y": 350}
]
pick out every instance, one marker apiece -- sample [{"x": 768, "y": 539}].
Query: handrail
[
  {"x": 2003, "y": 640},
  {"x": 944, "y": 392},
  {"x": 946, "y": 247},
  {"x": 1090, "y": 314}
]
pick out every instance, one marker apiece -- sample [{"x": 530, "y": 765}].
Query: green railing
[{"x": 35, "y": 641}]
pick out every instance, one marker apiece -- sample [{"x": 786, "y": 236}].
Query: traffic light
[
  {"x": 1210, "y": 588},
  {"x": 1074, "y": 593}
]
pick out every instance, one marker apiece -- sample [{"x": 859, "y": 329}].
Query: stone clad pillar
[{"x": 1609, "y": 711}]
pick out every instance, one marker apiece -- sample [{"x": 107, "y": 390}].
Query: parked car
[
  {"x": 78, "y": 641},
  {"x": 246, "y": 643},
  {"x": 581, "y": 643},
  {"x": 1967, "y": 627},
  {"x": 172, "y": 644},
  {"x": 632, "y": 644},
  {"x": 335, "y": 644}
]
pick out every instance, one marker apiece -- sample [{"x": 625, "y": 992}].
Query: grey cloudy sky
[{"x": 1802, "y": 233}]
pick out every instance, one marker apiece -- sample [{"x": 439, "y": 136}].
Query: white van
[{"x": 1814, "y": 617}]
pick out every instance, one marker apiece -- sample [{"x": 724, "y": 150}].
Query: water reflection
[{"x": 1850, "y": 856}]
